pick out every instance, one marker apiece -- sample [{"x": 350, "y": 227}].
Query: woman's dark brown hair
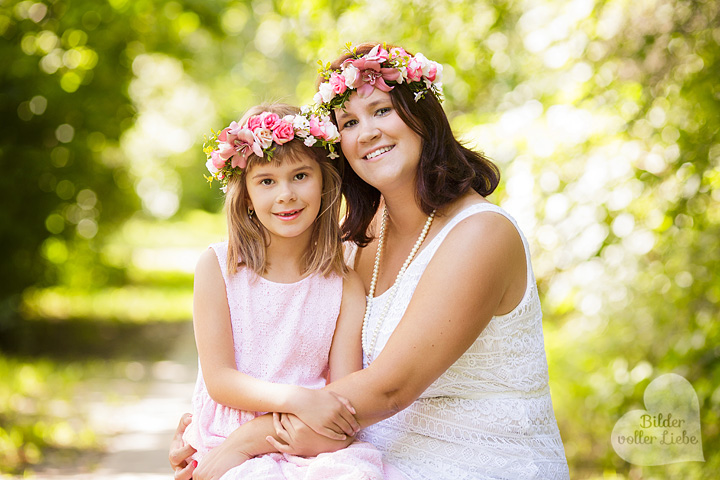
[{"x": 446, "y": 171}]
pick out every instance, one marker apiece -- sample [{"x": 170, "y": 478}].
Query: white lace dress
[{"x": 489, "y": 416}]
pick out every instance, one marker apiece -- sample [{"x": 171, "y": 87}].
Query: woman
[{"x": 455, "y": 384}]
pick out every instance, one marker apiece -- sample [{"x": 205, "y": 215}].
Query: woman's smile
[{"x": 378, "y": 152}]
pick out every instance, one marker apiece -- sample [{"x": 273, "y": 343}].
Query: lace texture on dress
[{"x": 490, "y": 415}]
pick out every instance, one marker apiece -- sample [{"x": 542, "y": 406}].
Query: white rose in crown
[{"x": 351, "y": 74}]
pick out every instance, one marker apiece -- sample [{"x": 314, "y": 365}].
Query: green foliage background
[{"x": 603, "y": 116}]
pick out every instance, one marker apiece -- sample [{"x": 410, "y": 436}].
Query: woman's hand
[
  {"x": 220, "y": 459},
  {"x": 181, "y": 452},
  {"x": 300, "y": 439},
  {"x": 326, "y": 413}
]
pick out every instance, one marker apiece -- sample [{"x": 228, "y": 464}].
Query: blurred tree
[{"x": 65, "y": 185}]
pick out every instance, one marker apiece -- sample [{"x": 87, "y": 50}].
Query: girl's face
[
  {"x": 286, "y": 197},
  {"x": 381, "y": 148}
]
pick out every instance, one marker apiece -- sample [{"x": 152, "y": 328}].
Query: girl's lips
[{"x": 289, "y": 215}]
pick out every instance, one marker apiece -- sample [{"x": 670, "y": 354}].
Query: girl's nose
[{"x": 286, "y": 194}]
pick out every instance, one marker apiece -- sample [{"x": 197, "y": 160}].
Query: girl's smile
[
  {"x": 286, "y": 197},
  {"x": 289, "y": 215}
]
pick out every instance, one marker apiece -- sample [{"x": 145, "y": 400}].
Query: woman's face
[{"x": 381, "y": 148}]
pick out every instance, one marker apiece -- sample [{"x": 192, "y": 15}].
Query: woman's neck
[{"x": 405, "y": 217}]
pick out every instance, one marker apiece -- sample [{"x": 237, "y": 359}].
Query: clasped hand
[
  {"x": 326, "y": 413},
  {"x": 297, "y": 438}
]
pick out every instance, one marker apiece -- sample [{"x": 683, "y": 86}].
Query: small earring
[{"x": 251, "y": 212}]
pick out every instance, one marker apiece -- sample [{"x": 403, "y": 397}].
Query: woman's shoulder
[
  {"x": 474, "y": 221},
  {"x": 465, "y": 210}
]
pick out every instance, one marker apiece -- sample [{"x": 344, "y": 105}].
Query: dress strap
[
  {"x": 427, "y": 253},
  {"x": 221, "y": 252},
  {"x": 350, "y": 250}
]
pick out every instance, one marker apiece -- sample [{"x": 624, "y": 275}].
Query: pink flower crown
[
  {"x": 375, "y": 69},
  {"x": 228, "y": 150}
]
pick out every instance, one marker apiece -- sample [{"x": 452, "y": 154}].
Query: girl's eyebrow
[{"x": 261, "y": 174}]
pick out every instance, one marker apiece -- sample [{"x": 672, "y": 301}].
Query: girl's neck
[{"x": 285, "y": 259}]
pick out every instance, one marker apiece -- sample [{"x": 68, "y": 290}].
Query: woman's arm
[
  {"x": 459, "y": 292},
  {"x": 463, "y": 287},
  {"x": 326, "y": 412}
]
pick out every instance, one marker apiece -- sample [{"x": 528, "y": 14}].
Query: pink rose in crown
[
  {"x": 429, "y": 68},
  {"x": 398, "y": 52},
  {"x": 337, "y": 82},
  {"x": 217, "y": 161},
  {"x": 414, "y": 70},
  {"x": 271, "y": 121},
  {"x": 432, "y": 72},
  {"x": 316, "y": 127},
  {"x": 283, "y": 133},
  {"x": 254, "y": 122}
]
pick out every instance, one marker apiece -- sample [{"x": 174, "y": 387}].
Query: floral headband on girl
[
  {"x": 375, "y": 69},
  {"x": 228, "y": 150}
]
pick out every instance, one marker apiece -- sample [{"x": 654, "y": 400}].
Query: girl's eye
[
  {"x": 349, "y": 123},
  {"x": 301, "y": 176},
  {"x": 382, "y": 111},
  {"x": 266, "y": 181}
]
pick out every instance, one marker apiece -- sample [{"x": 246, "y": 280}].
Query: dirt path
[{"x": 138, "y": 430}]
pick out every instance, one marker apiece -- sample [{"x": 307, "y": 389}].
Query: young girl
[{"x": 276, "y": 311}]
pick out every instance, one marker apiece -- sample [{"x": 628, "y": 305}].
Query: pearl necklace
[{"x": 369, "y": 349}]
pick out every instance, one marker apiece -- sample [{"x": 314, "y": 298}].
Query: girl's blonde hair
[{"x": 248, "y": 238}]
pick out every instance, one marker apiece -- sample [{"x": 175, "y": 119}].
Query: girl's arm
[
  {"x": 346, "y": 350},
  {"x": 324, "y": 411}
]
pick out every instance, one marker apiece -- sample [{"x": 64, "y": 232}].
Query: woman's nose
[{"x": 368, "y": 133}]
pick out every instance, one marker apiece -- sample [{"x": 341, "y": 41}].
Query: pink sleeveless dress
[{"x": 282, "y": 334}]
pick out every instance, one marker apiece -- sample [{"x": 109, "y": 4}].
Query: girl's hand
[
  {"x": 300, "y": 439},
  {"x": 180, "y": 452},
  {"x": 326, "y": 412}
]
